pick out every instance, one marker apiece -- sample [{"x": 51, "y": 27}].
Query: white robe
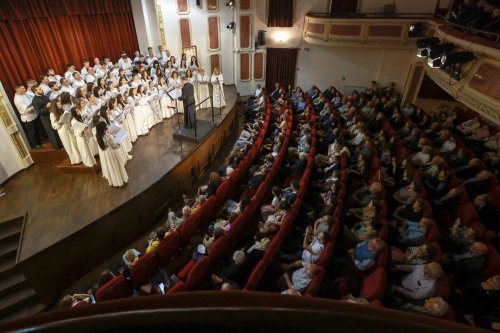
[
  {"x": 166, "y": 104},
  {"x": 202, "y": 90},
  {"x": 113, "y": 168},
  {"x": 67, "y": 138},
  {"x": 218, "y": 91},
  {"x": 83, "y": 146},
  {"x": 139, "y": 113}
]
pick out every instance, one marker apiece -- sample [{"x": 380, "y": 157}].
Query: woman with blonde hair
[{"x": 217, "y": 81}]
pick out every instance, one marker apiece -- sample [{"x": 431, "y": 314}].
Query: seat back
[
  {"x": 374, "y": 285},
  {"x": 256, "y": 276},
  {"x": 143, "y": 270},
  {"x": 189, "y": 227},
  {"x": 197, "y": 273},
  {"x": 315, "y": 283},
  {"x": 115, "y": 289},
  {"x": 167, "y": 248}
]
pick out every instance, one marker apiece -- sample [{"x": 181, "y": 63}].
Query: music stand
[{"x": 180, "y": 123}]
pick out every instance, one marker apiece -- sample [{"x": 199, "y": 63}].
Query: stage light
[
  {"x": 423, "y": 53},
  {"x": 426, "y": 42},
  {"x": 416, "y": 30},
  {"x": 436, "y": 51},
  {"x": 231, "y": 3},
  {"x": 456, "y": 58},
  {"x": 231, "y": 26}
]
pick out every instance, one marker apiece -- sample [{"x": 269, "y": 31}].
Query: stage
[{"x": 75, "y": 221}]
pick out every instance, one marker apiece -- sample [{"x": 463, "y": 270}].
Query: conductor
[{"x": 187, "y": 98}]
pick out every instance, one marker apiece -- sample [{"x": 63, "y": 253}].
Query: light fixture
[
  {"x": 436, "y": 51},
  {"x": 231, "y": 3},
  {"x": 231, "y": 26},
  {"x": 456, "y": 58},
  {"x": 416, "y": 30},
  {"x": 426, "y": 42}
]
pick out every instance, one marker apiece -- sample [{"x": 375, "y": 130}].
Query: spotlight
[
  {"x": 426, "y": 42},
  {"x": 231, "y": 26},
  {"x": 456, "y": 58},
  {"x": 416, "y": 30},
  {"x": 436, "y": 51},
  {"x": 231, "y": 3}
]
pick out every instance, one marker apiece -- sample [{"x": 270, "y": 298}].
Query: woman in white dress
[
  {"x": 145, "y": 78},
  {"x": 182, "y": 68},
  {"x": 112, "y": 167},
  {"x": 192, "y": 79},
  {"x": 128, "y": 118},
  {"x": 136, "y": 81},
  {"x": 143, "y": 102},
  {"x": 123, "y": 86},
  {"x": 66, "y": 101},
  {"x": 138, "y": 112},
  {"x": 174, "y": 82},
  {"x": 98, "y": 93},
  {"x": 80, "y": 105},
  {"x": 194, "y": 63},
  {"x": 79, "y": 128},
  {"x": 113, "y": 113},
  {"x": 155, "y": 71},
  {"x": 154, "y": 101},
  {"x": 169, "y": 68},
  {"x": 165, "y": 102},
  {"x": 63, "y": 129},
  {"x": 112, "y": 76},
  {"x": 202, "y": 88},
  {"x": 111, "y": 91},
  {"x": 92, "y": 107},
  {"x": 218, "y": 88}
]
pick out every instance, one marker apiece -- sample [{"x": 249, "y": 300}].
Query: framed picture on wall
[{"x": 190, "y": 51}]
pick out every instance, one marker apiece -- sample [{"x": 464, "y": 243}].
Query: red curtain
[
  {"x": 280, "y": 67},
  {"x": 35, "y": 35},
  {"x": 280, "y": 13}
]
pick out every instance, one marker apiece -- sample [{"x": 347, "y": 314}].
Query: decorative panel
[
  {"x": 485, "y": 80},
  {"x": 385, "y": 30},
  {"x": 185, "y": 32},
  {"x": 182, "y": 7},
  {"x": 213, "y": 5},
  {"x": 258, "y": 66},
  {"x": 245, "y": 4},
  {"x": 245, "y": 32},
  {"x": 345, "y": 30},
  {"x": 315, "y": 28},
  {"x": 214, "y": 62},
  {"x": 244, "y": 66},
  {"x": 213, "y": 33}
]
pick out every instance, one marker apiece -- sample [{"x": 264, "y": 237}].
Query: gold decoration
[{"x": 16, "y": 136}]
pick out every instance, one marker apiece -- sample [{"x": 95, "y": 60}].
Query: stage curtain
[
  {"x": 280, "y": 13},
  {"x": 35, "y": 35},
  {"x": 280, "y": 67}
]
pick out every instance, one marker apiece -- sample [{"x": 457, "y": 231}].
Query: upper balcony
[{"x": 478, "y": 86}]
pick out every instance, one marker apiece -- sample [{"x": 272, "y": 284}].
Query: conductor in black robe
[{"x": 187, "y": 98}]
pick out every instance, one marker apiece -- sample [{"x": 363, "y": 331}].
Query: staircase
[{"x": 17, "y": 299}]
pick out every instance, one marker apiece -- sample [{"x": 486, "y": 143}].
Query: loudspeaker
[
  {"x": 261, "y": 38},
  {"x": 198, "y": 3}
]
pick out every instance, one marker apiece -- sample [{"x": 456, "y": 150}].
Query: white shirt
[
  {"x": 77, "y": 84},
  {"x": 84, "y": 71},
  {"x": 27, "y": 112},
  {"x": 416, "y": 285},
  {"x": 126, "y": 64},
  {"x": 312, "y": 257},
  {"x": 90, "y": 78},
  {"x": 100, "y": 73},
  {"x": 217, "y": 77},
  {"x": 55, "y": 78},
  {"x": 46, "y": 89},
  {"x": 69, "y": 89},
  {"x": 257, "y": 92},
  {"x": 69, "y": 76},
  {"x": 162, "y": 57}
]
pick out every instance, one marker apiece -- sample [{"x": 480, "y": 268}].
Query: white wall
[{"x": 326, "y": 65}]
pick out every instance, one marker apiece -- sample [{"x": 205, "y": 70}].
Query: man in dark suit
[{"x": 187, "y": 98}]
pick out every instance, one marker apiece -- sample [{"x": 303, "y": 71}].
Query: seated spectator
[
  {"x": 213, "y": 182},
  {"x": 312, "y": 248},
  {"x": 361, "y": 231},
  {"x": 232, "y": 276},
  {"x": 301, "y": 278},
  {"x": 130, "y": 257},
  {"x": 173, "y": 222},
  {"x": 371, "y": 211},
  {"x": 408, "y": 194},
  {"x": 70, "y": 301},
  {"x": 289, "y": 194},
  {"x": 434, "y": 306},
  {"x": 437, "y": 187},
  {"x": 467, "y": 127},
  {"x": 323, "y": 224},
  {"x": 155, "y": 238},
  {"x": 431, "y": 170},
  {"x": 276, "y": 203},
  {"x": 233, "y": 208},
  {"x": 297, "y": 166},
  {"x": 257, "y": 178},
  {"x": 422, "y": 157},
  {"x": 451, "y": 200},
  {"x": 463, "y": 237},
  {"x": 414, "y": 255},
  {"x": 478, "y": 184},
  {"x": 415, "y": 233},
  {"x": 421, "y": 281},
  {"x": 468, "y": 170},
  {"x": 364, "y": 255},
  {"x": 256, "y": 252},
  {"x": 411, "y": 213},
  {"x": 488, "y": 214},
  {"x": 366, "y": 194},
  {"x": 200, "y": 200},
  {"x": 470, "y": 263},
  {"x": 273, "y": 222}
]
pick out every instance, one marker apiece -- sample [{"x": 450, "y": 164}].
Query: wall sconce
[
  {"x": 231, "y": 26},
  {"x": 281, "y": 36},
  {"x": 231, "y": 3}
]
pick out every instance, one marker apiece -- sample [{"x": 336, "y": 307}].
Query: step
[
  {"x": 47, "y": 154},
  {"x": 25, "y": 312},
  {"x": 65, "y": 166},
  {"x": 11, "y": 231},
  {"x": 16, "y": 301},
  {"x": 8, "y": 249},
  {"x": 11, "y": 284},
  {"x": 12, "y": 223},
  {"x": 8, "y": 267}
]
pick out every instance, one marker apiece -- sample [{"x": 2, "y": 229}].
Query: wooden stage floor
[{"x": 60, "y": 204}]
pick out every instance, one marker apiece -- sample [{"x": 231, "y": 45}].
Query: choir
[{"x": 102, "y": 109}]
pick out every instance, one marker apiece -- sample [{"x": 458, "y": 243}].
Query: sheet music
[
  {"x": 175, "y": 94},
  {"x": 114, "y": 128},
  {"x": 123, "y": 114},
  {"x": 120, "y": 135},
  {"x": 78, "y": 126},
  {"x": 65, "y": 117}
]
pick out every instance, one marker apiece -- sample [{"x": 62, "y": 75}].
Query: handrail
[{"x": 469, "y": 30}]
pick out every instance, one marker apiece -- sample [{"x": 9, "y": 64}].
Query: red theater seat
[
  {"x": 197, "y": 273},
  {"x": 167, "y": 248},
  {"x": 256, "y": 276},
  {"x": 374, "y": 285},
  {"x": 315, "y": 283},
  {"x": 467, "y": 213},
  {"x": 116, "y": 288},
  {"x": 143, "y": 270}
]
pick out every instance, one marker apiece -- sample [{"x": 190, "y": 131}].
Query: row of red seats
[
  {"x": 150, "y": 263},
  {"x": 190, "y": 278}
]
